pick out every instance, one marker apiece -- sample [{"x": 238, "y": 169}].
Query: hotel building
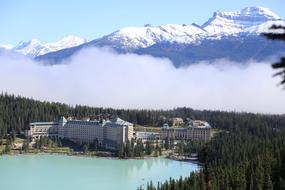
[
  {"x": 196, "y": 130},
  {"x": 109, "y": 133}
]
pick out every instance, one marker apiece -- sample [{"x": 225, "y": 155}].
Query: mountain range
[
  {"x": 34, "y": 47},
  {"x": 233, "y": 35}
]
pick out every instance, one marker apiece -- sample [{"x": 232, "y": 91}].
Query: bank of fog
[{"x": 101, "y": 77}]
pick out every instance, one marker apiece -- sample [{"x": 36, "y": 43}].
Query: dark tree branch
[
  {"x": 276, "y": 35},
  {"x": 280, "y": 64}
]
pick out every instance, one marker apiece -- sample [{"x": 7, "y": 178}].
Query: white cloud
[{"x": 100, "y": 77}]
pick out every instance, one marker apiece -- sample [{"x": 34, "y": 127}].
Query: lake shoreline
[{"x": 107, "y": 155}]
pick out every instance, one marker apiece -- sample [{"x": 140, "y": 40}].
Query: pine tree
[
  {"x": 148, "y": 148},
  {"x": 121, "y": 152},
  {"x": 267, "y": 182},
  {"x": 166, "y": 144},
  {"x": 95, "y": 144},
  {"x": 8, "y": 146},
  {"x": 278, "y": 36},
  {"x": 25, "y": 146},
  {"x": 206, "y": 171},
  {"x": 128, "y": 149},
  {"x": 280, "y": 184},
  {"x": 85, "y": 148}
]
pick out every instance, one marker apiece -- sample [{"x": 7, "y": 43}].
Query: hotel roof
[
  {"x": 119, "y": 121},
  {"x": 44, "y": 123},
  {"x": 114, "y": 122}
]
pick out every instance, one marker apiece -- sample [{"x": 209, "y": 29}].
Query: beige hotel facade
[{"x": 109, "y": 133}]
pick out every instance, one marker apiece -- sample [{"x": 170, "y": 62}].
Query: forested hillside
[{"x": 248, "y": 155}]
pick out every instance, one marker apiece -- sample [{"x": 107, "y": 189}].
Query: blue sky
[{"x": 51, "y": 20}]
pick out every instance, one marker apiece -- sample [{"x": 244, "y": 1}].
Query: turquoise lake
[{"x": 52, "y": 172}]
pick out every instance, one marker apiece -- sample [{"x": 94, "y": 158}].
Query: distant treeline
[{"x": 16, "y": 112}]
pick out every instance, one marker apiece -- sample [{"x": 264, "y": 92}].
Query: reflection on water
[{"x": 85, "y": 173}]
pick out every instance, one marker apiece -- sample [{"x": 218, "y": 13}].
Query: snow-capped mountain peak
[
  {"x": 30, "y": 43},
  {"x": 34, "y": 47},
  {"x": 261, "y": 13},
  {"x": 29, "y": 48},
  {"x": 68, "y": 41},
  {"x": 239, "y": 21},
  {"x": 6, "y": 46},
  {"x": 254, "y": 14}
]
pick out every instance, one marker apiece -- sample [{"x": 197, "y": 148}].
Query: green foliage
[
  {"x": 148, "y": 148},
  {"x": 85, "y": 148},
  {"x": 95, "y": 145},
  {"x": 166, "y": 144},
  {"x": 135, "y": 149},
  {"x": 8, "y": 145},
  {"x": 46, "y": 142},
  {"x": 25, "y": 146}
]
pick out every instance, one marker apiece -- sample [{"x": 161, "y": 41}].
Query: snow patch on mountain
[
  {"x": 142, "y": 37},
  {"x": 266, "y": 27},
  {"x": 69, "y": 41}
]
